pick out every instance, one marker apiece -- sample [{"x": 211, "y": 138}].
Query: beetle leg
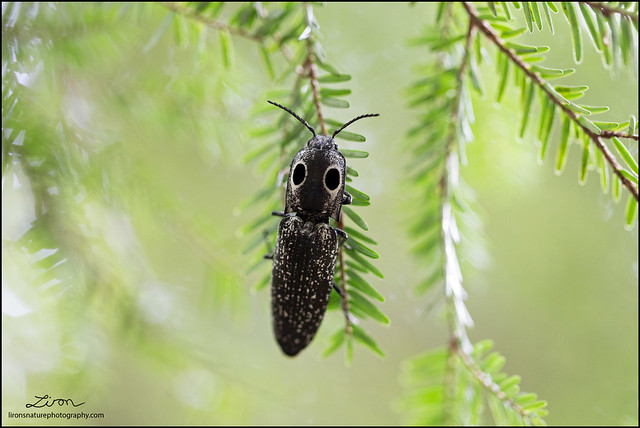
[
  {"x": 338, "y": 289},
  {"x": 283, "y": 214},
  {"x": 346, "y": 198},
  {"x": 341, "y": 233}
]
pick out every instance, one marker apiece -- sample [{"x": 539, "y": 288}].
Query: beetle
[{"x": 306, "y": 250}]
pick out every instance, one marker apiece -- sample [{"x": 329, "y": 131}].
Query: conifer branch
[
  {"x": 456, "y": 329},
  {"x": 453, "y": 288},
  {"x": 607, "y": 10},
  {"x": 491, "y": 34},
  {"x": 311, "y": 72},
  {"x": 458, "y": 318},
  {"x": 180, "y": 9},
  {"x": 487, "y": 382},
  {"x": 619, "y": 134},
  {"x": 455, "y": 110},
  {"x": 185, "y": 11},
  {"x": 454, "y": 293}
]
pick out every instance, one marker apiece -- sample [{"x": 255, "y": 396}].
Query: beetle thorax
[{"x": 322, "y": 142}]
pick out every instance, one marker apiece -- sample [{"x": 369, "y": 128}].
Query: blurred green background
[{"x": 134, "y": 143}]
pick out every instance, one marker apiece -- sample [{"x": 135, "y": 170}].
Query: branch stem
[
  {"x": 619, "y": 134},
  {"x": 488, "y": 383},
  {"x": 180, "y": 9},
  {"x": 212, "y": 23},
  {"x": 311, "y": 72},
  {"x": 490, "y": 33},
  {"x": 607, "y": 10},
  {"x": 456, "y": 330}
]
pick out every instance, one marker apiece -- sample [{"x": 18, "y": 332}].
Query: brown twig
[
  {"x": 444, "y": 179},
  {"x": 189, "y": 13},
  {"x": 619, "y": 134},
  {"x": 456, "y": 337},
  {"x": 459, "y": 77},
  {"x": 490, "y": 33},
  {"x": 607, "y": 10},
  {"x": 456, "y": 333},
  {"x": 484, "y": 378},
  {"x": 212, "y": 23},
  {"x": 311, "y": 72},
  {"x": 487, "y": 382}
]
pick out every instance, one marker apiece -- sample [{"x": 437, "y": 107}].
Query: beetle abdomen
[{"x": 302, "y": 278}]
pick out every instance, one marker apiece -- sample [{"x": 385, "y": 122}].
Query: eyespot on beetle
[{"x": 306, "y": 251}]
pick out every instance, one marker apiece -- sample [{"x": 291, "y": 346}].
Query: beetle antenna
[
  {"x": 304, "y": 122},
  {"x": 351, "y": 121}
]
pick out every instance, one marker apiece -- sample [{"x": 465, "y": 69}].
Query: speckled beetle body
[
  {"x": 304, "y": 261},
  {"x": 306, "y": 251}
]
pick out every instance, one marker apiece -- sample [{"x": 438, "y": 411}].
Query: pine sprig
[
  {"x": 618, "y": 134},
  {"x": 83, "y": 249},
  {"x": 198, "y": 14},
  {"x": 440, "y": 139},
  {"x": 517, "y": 408},
  {"x": 612, "y": 28},
  {"x": 442, "y": 135},
  {"x": 575, "y": 113},
  {"x": 458, "y": 315},
  {"x": 445, "y": 129},
  {"x": 438, "y": 382},
  {"x": 267, "y": 25},
  {"x": 439, "y": 149},
  {"x": 623, "y": 10}
]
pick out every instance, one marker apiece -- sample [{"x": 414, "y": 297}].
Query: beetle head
[{"x": 315, "y": 187}]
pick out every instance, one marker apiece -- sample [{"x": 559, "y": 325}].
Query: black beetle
[{"x": 306, "y": 249}]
